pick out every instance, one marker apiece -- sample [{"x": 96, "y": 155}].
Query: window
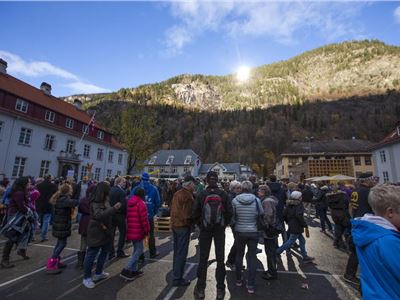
[
  {"x": 367, "y": 160},
  {"x": 383, "y": 156},
  {"x": 119, "y": 173},
  {"x": 173, "y": 170},
  {"x": 162, "y": 170},
  {"x": 1, "y": 127},
  {"x": 50, "y": 116},
  {"x": 188, "y": 160},
  {"x": 357, "y": 160},
  {"x": 151, "y": 169},
  {"x": 216, "y": 170},
  {"x": 97, "y": 174},
  {"x": 99, "y": 154},
  {"x": 49, "y": 142},
  {"x": 186, "y": 169},
  {"x": 21, "y": 105},
  {"x": 86, "y": 151},
  {"x": 69, "y": 123},
  {"x": 84, "y": 172},
  {"x": 385, "y": 177},
  {"x": 109, "y": 173},
  {"x": 152, "y": 160},
  {"x": 170, "y": 160},
  {"x": 85, "y": 129},
  {"x": 100, "y": 134},
  {"x": 120, "y": 159},
  {"x": 19, "y": 166},
  {"x": 110, "y": 156},
  {"x": 70, "y": 146},
  {"x": 25, "y": 136},
  {"x": 44, "y": 168}
]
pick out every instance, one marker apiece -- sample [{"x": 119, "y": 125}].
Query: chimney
[
  {"x": 3, "y": 66},
  {"x": 78, "y": 103},
  {"x": 46, "y": 88}
]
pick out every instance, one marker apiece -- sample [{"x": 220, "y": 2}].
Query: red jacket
[{"x": 138, "y": 225}]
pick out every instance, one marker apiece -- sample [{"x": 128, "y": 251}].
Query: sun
[{"x": 243, "y": 73}]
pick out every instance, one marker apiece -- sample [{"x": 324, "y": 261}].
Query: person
[
  {"x": 307, "y": 196},
  {"x": 18, "y": 220},
  {"x": 63, "y": 208},
  {"x": 294, "y": 217},
  {"x": 235, "y": 189},
  {"x": 272, "y": 231},
  {"x": 153, "y": 203},
  {"x": 43, "y": 205},
  {"x": 246, "y": 210},
  {"x": 358, "y": 207},
  {"x": 138, "y": 227},
  {"x": 322, "y": 208},
  {"x": 377, "y": 241},
  {"x": 212, "y": 211},
  {"x": 84, "y": 210},
  {"x": 181, "y": 223},
  {"x": 33, "y": 196},
  {"x": 80, "y": 192},
  {"x": 278, "y": 191},
  {"x": 117, "y": 194},
  {"x": 99, "y": 234}
]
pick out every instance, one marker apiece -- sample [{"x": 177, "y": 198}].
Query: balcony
[{"x": 69, "y": 157}]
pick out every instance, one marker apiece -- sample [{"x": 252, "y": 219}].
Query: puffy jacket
[
  {"x": 377, "y": 244},
  {"x": 62, "y": 216},
  {"x": 245, "y": 212},
  {"x": 152, "y": 200},
  {"x": 181, "y": 209},
  {"x": 294, "y": 216},
  {"x": 138, "y": 225},
  {"x": 46, "y": 189}
]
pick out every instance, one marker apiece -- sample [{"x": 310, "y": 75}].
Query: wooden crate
[{"x": 162, "y": 224}]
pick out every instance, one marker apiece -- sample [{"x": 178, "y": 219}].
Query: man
[
  {"x": 43, "y": 205},
  {"x": 181, "y": 222},
  {"x": 118, "y": 195},
  {"x": 307, "y": 196},
  {"x": 278, "y": 192},
  {"x": 153, "y": 203},
  {"x": 212, "y": 211},
  {"x": 377, "y": 239},
  {"x": 359, "y": 206}
]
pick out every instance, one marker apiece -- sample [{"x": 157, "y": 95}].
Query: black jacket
[
  {"x": 62, "y": 216},
  {"x": 46, "y": 189},
  {"x": 339, "y": 207},
  {"x": 307, "y": 195},
  {"x": 359, "y": 202},
  {"x": 278, "y": 191},
  {"x": 118, "y": 195},
  {"x": 294, "y": 216}
]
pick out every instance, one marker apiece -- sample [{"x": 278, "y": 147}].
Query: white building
[
  {"x": 386, "y": 156},
  {"x": 41, "y": 134}
]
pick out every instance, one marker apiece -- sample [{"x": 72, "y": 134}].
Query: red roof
[
  {"x": 392, "y": 138},
  {"x": 24, "y": 90}
]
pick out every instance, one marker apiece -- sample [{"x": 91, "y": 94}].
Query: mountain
[{"x": 331, "y": 72}]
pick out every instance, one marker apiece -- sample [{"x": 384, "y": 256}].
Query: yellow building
[{"x": 325, "y": 158}]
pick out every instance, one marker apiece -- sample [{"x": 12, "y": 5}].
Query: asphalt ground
[{"x": 28, "y": 279}]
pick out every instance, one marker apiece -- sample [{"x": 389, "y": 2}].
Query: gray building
[{"x": 229, "y": 171}]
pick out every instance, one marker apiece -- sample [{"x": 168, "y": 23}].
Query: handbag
[{"x": 261, "y": 226}]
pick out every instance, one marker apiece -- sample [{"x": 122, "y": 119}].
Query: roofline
[
  {"x": 382, "y": 145},
  {"x": 322, "y": 153}
]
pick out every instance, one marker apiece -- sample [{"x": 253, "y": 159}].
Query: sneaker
[
  {"x": 230, "y": 266},
  {"x": 239, "y": 283},
  {"x": 44, "y": 240},
  {"x": 122, "y": 255},
  {"x": 97, "y": 277},
  {"x": 200, "y": 294},
  {"x": 220, "y": 293},
  {"x": 250, "y": 289},
  {"x": 88, "y": 283},
  {"x": 5, "y": 264},
  {"x": 308, "y": 259},
  {"x": 351, "y": 279},
  {"x": 154, "y": 255},
  {"x": 182, "y": 282},
  {"x": 267, "y": 276},
  {"x": 127, "y": 275},
  {"x": 22, "y": 253}
]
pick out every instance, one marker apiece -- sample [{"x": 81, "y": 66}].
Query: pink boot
[{"x": 52, "y": 267}]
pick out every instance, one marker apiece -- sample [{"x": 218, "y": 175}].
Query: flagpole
[{"x": 84, "y": 132}]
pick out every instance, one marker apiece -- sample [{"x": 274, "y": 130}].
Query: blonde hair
[
  {"x": 64, "y": 189},
  {"x": 234, "y": 184},
  {"x": 119, "y": 180},
  {"x": 383, "y": 196}
]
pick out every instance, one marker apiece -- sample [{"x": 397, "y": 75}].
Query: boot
[
  {"x": 81, "y": 259},
  {"x": 22, "y": 253},
  {"x": 5, "y": 262},
  {"x": 60, "y": 264},
  {"x": 52, "y": 267}
]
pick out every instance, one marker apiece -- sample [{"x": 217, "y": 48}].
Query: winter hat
[
  {"x": 296, "y": 195},
  {"x": 145, "y": 176},
  {"x": 213, "y": 175},
  {"x": 189, "y": 178}
]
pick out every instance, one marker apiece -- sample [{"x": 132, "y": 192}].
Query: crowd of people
[{"x": 364, "y": 220}]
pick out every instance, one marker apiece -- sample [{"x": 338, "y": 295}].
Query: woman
[
  {"x": 18, "y": 215},
  {"x": 99, "y": 234},
  {"x": 235, "y": 188}
]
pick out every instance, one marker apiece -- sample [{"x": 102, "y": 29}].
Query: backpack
[
  {"x": 273, "y": 228},
  {"x": 213, "y": 211}
]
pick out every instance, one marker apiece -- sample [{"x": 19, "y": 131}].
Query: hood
[
  {"x": 293, "y": 202},
  {"x": 246, "y": 199},
  {"x": 370, "y": 228},
  {"x": 274, "y": 186},
  {"x": 134, "y": 201}
]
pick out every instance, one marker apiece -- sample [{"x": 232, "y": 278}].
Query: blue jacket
[
  {"x": 152, "y": 200},
  {"x": 378, "y": 251},
  {"x": 245, "y": 212}
]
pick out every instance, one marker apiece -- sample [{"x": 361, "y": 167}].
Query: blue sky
[{"x": 101, "y": 46}]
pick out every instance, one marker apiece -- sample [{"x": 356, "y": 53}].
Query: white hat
[{"x": 295, "y": 195}]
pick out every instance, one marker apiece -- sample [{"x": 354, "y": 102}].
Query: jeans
[
  {"x": 59, "y": 247},
  {"x": 232, "y": 253},
  {"x": 118, "y": 221},
  {"x": 181, "y": 247},
  {"x": 249, "y": 239},
  {"x": 205, "y": 239},
  {"x": 289, "y": 243},
  {"x": 91, "y": 256},
  {"x": 324, "y": 218},
  {"x": 45, "y": 225},
  {"x": 137, "y": 251},
  {"x": 83, "y": 245},
  {"x": 270, "y": 246}
]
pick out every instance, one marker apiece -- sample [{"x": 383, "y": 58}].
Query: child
[
  {"x": 294, "y": 217},
  {"x": 138, "y": 228},
  {"x": 63, "y": 207},
  {"x": 377, "y": 241}
]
